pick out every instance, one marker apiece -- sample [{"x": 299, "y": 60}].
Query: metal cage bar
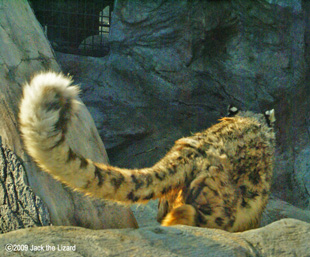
[{"x": 76, "y": 26}]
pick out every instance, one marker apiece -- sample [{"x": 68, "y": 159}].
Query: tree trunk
[{"x": 28, "y": 196}]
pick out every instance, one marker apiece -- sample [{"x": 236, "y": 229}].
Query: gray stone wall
[{"x": 175, "y": 66}]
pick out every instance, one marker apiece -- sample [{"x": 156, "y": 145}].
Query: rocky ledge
[{"x": 287, "y": 237}]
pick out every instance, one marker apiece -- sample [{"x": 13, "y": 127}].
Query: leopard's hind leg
[
  {"x": 210, "y": 201},
  {"x": 182, "y": 215}
]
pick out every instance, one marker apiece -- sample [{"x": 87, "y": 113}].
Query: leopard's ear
[
  {"x": 270, "y": 117},
  {"x": 232, "y": 111}
]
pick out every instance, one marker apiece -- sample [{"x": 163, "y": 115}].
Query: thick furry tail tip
[{"x": 48, "y": 102}]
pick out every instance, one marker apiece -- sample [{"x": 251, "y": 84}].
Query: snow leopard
[{"x": 218, "y": 178}]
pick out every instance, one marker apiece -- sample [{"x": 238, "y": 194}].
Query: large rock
[
  {"x": 287, "y": 237},
  {"x": 302, "y": 173},
  {"x": 29, "y": 197},
  {"x": 277, "y": 209}
]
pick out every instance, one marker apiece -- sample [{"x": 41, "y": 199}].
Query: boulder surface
[{"x": 287, "y": 237}]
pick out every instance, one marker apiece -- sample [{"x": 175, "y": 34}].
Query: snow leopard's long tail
[{"x": 48, "y": 104}]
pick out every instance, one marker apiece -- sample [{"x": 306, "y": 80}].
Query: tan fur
[
  {"x": 182, "y": 215},
  {"x": 219, "y": 178}
]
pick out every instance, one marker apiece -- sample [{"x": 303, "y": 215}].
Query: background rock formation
[
  {"x": 29, "y": 197},
  {"x": 174, "y": 67}
]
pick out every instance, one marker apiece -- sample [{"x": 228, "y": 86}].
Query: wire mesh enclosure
[{"x": 76, "y": 26}]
